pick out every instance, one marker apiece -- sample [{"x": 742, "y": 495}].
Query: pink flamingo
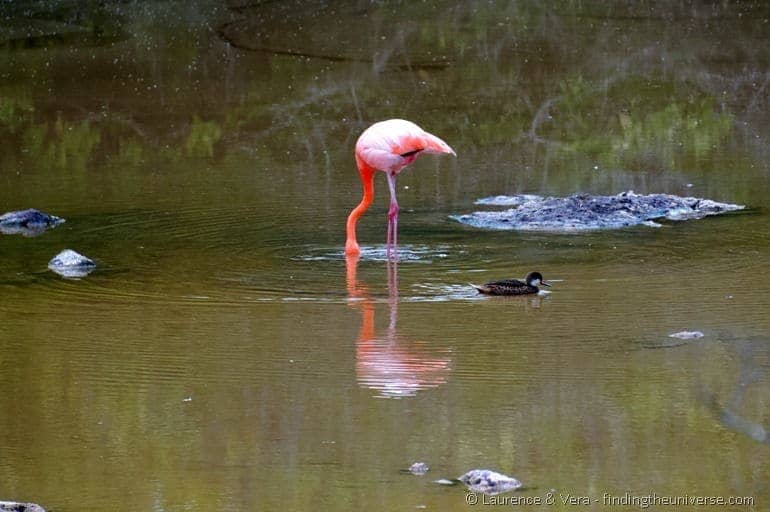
[{"x": 388, "y": 146}]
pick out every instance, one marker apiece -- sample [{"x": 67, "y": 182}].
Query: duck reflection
[{"x": 390, "y": 364}]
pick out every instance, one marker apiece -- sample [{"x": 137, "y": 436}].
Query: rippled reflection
[
  {"x": 389, "y": 363},
  {"x": 739, "y": 413}
]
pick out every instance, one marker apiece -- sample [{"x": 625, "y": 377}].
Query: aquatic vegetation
[
  {"x": 636, "y": 121},
  {"x": 60, "y": 145},
  {"x": 131, "y": 152},
  {"x": 15, "y": 111},
  {"x": 203, "y": 137}
]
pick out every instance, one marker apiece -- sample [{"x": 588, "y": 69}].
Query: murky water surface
[{"x": 225, "y": 356}]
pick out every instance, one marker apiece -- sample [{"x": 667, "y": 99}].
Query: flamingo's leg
[
  {"x": 392, "y": 216},
  {"x": 389, "y": 238}
]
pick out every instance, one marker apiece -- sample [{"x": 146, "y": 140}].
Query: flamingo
[{"x": 388, "y": 146}]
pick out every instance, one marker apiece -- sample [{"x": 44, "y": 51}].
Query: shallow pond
[{"x": 225, "y": 356}]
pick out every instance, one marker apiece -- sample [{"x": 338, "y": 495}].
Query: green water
[{"x": 225, "y": 356}]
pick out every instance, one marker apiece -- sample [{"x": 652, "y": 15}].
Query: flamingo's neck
[{"x": 367, "y": 181}]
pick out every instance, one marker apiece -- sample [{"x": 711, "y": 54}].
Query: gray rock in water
[
  {"x": 489, "y": 482},
  {"x": 69, "y": 263},
  {"x": 687, "y": 335},
  {"x": 419, "y": 468},
  {"x": 586, "y": 212},
  {"x": 516, "y": 200},
  {"x": 13, "y": 506},
  {"x": 27, "y": 222}
]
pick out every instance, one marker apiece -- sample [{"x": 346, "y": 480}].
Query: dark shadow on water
[
  {"x": 229, "y": 33},
  {"x": 41, "y": 24},
  {"x": 289, "y": 28}
]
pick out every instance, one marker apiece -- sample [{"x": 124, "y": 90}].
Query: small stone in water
[
  {"x": 69, "y": 263},
  {"x": 687, "y": 335},
  {"x": 489, "y": 482},
  {"x": 419, "y": 468}
]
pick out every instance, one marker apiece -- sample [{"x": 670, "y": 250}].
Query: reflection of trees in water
[
  {"x": 390, "y": 363},
  {"x": 627, "y": 86},
  {"x": 629, "y": 79}
]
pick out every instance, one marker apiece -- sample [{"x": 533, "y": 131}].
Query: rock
[
  {"x": 488, "y": 482},
  {"x": 419, "y": 468},
  {"x": 516, "y": 200},
  {"x": 69, "y": 263},
  {"x": 586, "y": 212},
  {"x": 687, "y": 335},
  {"x": 27, "y": 222},
  {"x": 13, "y": 506}
]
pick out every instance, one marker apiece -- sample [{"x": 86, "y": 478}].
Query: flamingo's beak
[{"x": 435, "y": 145}]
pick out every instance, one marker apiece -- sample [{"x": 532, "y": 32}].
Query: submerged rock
[
  {"x": 489, "y": 482},
  {"x": 69, "y": 263},
  {"x": 587, "y": 212},
  {"x": 13, "y": 506},
  {"x": 27, "y": 222}
]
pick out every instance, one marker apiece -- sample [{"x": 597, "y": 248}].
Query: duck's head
[{"x": 535, "y": 279}]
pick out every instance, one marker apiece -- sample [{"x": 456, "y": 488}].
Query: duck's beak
[{"x": 545, "y": 284}]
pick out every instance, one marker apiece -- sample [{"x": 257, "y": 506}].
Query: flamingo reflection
[{"x": 393, "y": 366}]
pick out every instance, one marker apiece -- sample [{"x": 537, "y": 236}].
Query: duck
[{"x": 513, "y": 286}]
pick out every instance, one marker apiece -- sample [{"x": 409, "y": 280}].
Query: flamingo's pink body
[{"x": 388, "y": 146}]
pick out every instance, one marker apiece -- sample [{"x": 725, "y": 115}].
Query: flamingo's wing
[{"x": 381, "y": 159}]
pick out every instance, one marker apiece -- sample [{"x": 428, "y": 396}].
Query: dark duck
[{"x": 513, "y": 286}]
